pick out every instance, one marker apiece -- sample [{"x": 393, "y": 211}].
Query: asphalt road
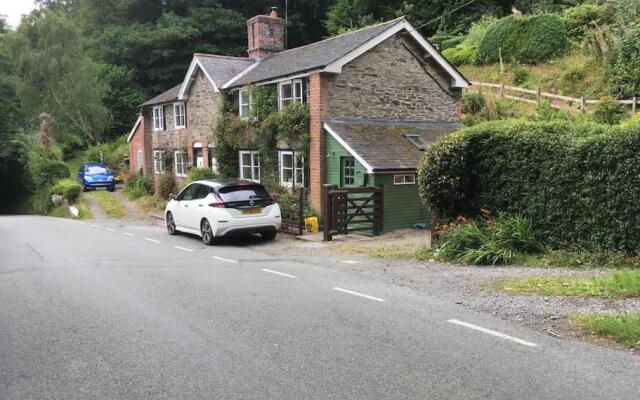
[{"x": 97, "y": 310}]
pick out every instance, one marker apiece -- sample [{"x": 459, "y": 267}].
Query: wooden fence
[
  {"x": 534, "y": 96},
  {"x": 293, "y": 215},
  {"x": 347, "y": 210}
]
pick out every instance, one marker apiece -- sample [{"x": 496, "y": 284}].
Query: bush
[
  {"x": 452, "y": 42},
  {"x": 473, "y": 103},
  {"x": 634, "y": 120},
  {"x": 114, "y": 154},
  {"x": 529, "y": 40},
  {"x": 520, "y": 73},
  {"x": 609, "y": 111},
  {"x": 577, "y": 182},
  {"x": 67, "y": 188},
  {"x": 487, "y": 242},
  {"x": 137, "y": 186},
  {"x": 166, "y": 185},
  {"x": 197, "y": 174},
  {"x": 579, "y": 19},
  {"x": 460, "y": 55}
]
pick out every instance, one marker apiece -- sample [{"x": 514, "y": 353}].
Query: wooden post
[
  {"x": 633, "y": 105},
  {"x": 326, "y": 213},
  {"x": 583, "y": 105},
  {"x": 381, "y": 211},
  {"x": 538, "y": 95},
  {"x": 300, "y": 211},
  {"x": 501, "y": 90}
]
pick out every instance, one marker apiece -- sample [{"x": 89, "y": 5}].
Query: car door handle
[
  {"x": 200, "y": 205},
  {"x": 186, "y": 205}
]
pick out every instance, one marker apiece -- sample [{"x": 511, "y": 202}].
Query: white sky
[{"x": 13, "y": 10}]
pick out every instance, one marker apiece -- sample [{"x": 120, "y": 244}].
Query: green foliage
[
  {"x": 577, "y": 182},
  {"x": 609, "y": 111},
  {"x": 110, "y": 204},
  {"x": 69, "y": 189},
  {"x": 520, "y": 73},
  {"x": 488, "y": 242},
  {"x": 196, "y": 174},
  {"x": 581, "y": 18},
  {"x": 529, "y": 40},
  {"x": 150, "y": 203},
  {"x": 477, "y": 108},
  {"x": 115, "y": 153},
  {"x": 466, "y": 51},
  {"x": 461, "y": 54},
  {"x": 137, "y": 186},
  {"x": 452, "y": 41},
  {"x": 473, "y": 103},
  {"x": 46, "y": 166},
  {"x": 623, "y": 60},
  {"x": 623, "y": 328},
  {"x": 166, "y": 184}
]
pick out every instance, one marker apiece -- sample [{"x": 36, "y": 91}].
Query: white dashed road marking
[
  {"x": 110, "y": 230},
  {"x": 366, "y": 296},
  {"x": 225, "y": 259},
  {"x": 183, "y": 248},
  {"x": 152, "y": 240},
  {"x": 279, "y": 273},
  {"x": 490, "y": 332},
  {"x": 128, "y": 234},
  {"x": 94, "y": 226}
]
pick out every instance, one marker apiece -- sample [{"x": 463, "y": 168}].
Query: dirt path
[
  {"x": 132, "y": 211},
  {"x": 96, "y": 209}
]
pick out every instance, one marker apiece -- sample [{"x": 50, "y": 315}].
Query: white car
[{"x": 213, "y": 209}]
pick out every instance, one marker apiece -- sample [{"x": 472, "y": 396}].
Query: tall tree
[{"x": 54, "y": 76}]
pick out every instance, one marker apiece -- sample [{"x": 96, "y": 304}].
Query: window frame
[
  {"x": 139, "y": 160},
  {"x": 254, "y": 166},
  {"x": 417, "y": 141},
  {"x": 212, "y": 160},
  {"x": 343, "y": 170},
  {"x": 404, "y": 179},
  {"x": 158, "y": 161},
  {"x": 179, "y": 106},
  {"x": 158, "y": 120},
  {"x": 297, "y": 172},
  {"x": 183, "y": 163},
  {"x": 294, "y": 83},
  {"x": 241, "y": 114}
]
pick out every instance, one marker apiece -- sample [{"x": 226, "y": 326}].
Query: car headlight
[
  {"x": 88, "y": 178},
  {"x": 109, "y": 178}
]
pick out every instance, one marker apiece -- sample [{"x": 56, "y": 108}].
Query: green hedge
[
  {"x": 529, "y": 40},
  {"x": 577, "y": 182},
  {"x": 67, "y": 188}
]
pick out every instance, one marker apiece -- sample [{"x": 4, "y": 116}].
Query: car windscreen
[
  {"x": 95, "y": 170},
  {"x": 243, "y": 193}
]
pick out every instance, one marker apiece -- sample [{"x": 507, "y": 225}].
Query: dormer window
[
  {"x": 244, "y": 103},
  {"x": 289, "y": 91},
  {"x": 417, "y": 141},
  {"x": 180, "y": 121},
  {"x": 158, "y": 118}
]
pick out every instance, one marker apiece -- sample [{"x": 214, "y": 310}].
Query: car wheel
[
  {"x": 112, "y": 188},
  {"x": 171, "y": 224},
  {"x": 268, "y": 235},
  {"x": 206, "y": 233},
  {"x": 85, "y": 189}
]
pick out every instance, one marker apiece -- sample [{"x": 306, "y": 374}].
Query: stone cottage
[{"x": 376, "y": 97}]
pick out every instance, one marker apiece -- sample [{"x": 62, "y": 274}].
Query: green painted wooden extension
[{"x": 402, "y": 204}]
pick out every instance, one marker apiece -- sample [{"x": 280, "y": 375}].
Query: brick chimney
[{"x": 266, "y": 34}]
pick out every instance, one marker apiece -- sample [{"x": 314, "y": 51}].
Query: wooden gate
[
  {"x": 293, "y": 216},
  {"x": 347, "y": 210}
]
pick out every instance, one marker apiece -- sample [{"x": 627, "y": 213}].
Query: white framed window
[
  {"x": 348, "y": 171},
  {"x": 289, "y": 91},
  {"x": 180, "y": 162},
  {"x": 179, "y": 116},
  {"x": 404, "y": 179},
  {"x": 244, "y": 103},
  {"x": 249, "y": 165},
  {"x": 158, "y": 161},
  {"x": 158, "y": 118},
  {"x": 139, "y": 161},
  {"x": 213, "y": 162},
  {"x": 291, "y": 169}
]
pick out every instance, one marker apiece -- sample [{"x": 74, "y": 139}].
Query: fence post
[
  {"x": 300, "y": 211},
  {"x": 380, "y": 224},
  {"x": 501, "y": 90},
  {"x": 583, "y": 105},
  {"x": 538, "y": 95},
  {"x": 633, "y": 105},
  {"x": 326, "y": 213}
]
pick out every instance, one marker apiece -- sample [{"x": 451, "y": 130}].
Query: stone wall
[{"x": 389, "y": 82}]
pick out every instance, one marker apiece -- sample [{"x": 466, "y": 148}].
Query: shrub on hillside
[
  {"x": 166, "y": 185},
  {"x": 452, "y": 42},
  {"x": 466, "y": 50},
  {"x": 576, "y": 182},
  {"x": 114, "y": 154},
  {"x": 67, "y": 188},
  {"x": 196, "y": 174},
  {"x": 460, "y": 55},
  {"x": 45, "y": 168},
  {"x": 609, "y": 111},
  {"x": 529, "y": 40},
  {"x": 137, "y": 186},
  {"x": 579, "y": 19}
]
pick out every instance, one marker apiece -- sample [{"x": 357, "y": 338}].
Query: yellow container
[{"x": 311, "y": 224}]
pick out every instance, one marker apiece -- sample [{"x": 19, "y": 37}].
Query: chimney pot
[{"x": 266, "y": 34}]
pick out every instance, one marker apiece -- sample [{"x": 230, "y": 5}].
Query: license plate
[{"x": 251, "y": 211}]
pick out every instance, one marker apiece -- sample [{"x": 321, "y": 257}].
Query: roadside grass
[
  {"x": 572, "y": 259},
  {"x": 84, "y": 212},
  {"x": 62, "y": 211},
  {"x": 149, "y": 203},
  {"x": 74, "y": 164},
  {"x": 622, "y": 328},
  {"x": 402, "y": 251},
  {"x": 111, "y": 205},
  {"x": 619, "y": 284}
]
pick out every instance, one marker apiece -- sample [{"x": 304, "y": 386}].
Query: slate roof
[
  {"x": 312, "y": 56},
  {"x": 382, "y": 144},
  {"x": 222, "y": 68},
  {"x": 165, "y": 97}
]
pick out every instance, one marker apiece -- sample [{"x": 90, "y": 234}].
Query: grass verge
[
  {"x": 84, "y": 212},
  {"x": 569, "y": 259},
  {"x": 619, "y": 284},
  {"x": 111, "y": 205},
  {"x": 622, "y": 328},
  {"x": 150, "y": 203},
  {"x": 402, "y": 251}
]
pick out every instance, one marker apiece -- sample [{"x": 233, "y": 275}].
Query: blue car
[{"x": 95, "y": 175}]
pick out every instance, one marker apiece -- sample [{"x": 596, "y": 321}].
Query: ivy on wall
[{"x": 264, "y": 131}]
